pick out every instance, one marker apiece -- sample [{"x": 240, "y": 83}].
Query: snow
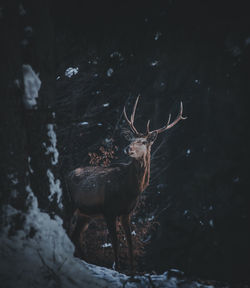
[
  {"x": 52, "y": 148},
  {"x": 71, "y": 71},
  {"x": 32, "y": 85},
  {"x": 110, "y": 71},
  {"x": 105, "y": 105},
  {"x": 106, "y": 245},
  {"x": 117, "y": 54},
  {"x": 29, "y": 166},
  {"x": 157, "y": 35},
  {"x": 133, "y": 233},
  {"x": 99, "y": 124},
  {"x": 154, "y": 63},
  {"x": 177, "y": 271},
  {"x": 188, "y": 152},
  {"x": 17, "y": 83},
  {"x": 46, "y": 259},
  {"x": 13, "y": 179},
  {"x": 211, "y": 223},
  {"x": 84, "y": 123},
  {"x": 151, "y": 218},
  {"x": 55, "y": 188}
]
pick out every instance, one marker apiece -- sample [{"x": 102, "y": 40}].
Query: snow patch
[
  {"x": 110, "y": 71},
  {"x": 32, "y": 85},
  {"x": 13, "y": 179},
  {"x": 71, "y": 71},
  {"x": 211, "y": 223},
  {"x": 106, "y": 245},
  {"x": 105, "y": 105},
  {"x": 41, "y": 255},
  {"x": 157, "y": 35},
  {"x": 117, "y": 54},
  {"x": 29, "y": 166},
  {"x": 52, "y": 148},
  {"x": 151, "y": 218},
  {"x": 55, "y": 188},
  {"x": 83, "y": 123},
  {"x": 154, "y": 63}
]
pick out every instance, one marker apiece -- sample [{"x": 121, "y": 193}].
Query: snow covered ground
[{"x": 41, "y": 255}]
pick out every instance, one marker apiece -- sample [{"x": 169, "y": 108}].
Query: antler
[
  {"x": 168, "y": 126},
  {"x": 132, "y": 117}
]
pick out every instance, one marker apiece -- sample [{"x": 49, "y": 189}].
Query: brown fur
[{"x": 110, "y": 192}]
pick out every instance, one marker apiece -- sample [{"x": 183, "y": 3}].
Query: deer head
[{"x": 141, "y": 142}]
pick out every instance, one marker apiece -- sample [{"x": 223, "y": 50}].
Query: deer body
[
  {"x": 109, "y": 191},
  {"x": 113, "y": 191}
]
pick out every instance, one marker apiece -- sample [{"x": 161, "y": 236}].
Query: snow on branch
[
  {"x": 52, "y": 148},
  {"x": 55, "y": 188},
  {"x": 32, "y": 84}
]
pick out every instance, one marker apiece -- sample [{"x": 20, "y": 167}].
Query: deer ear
[
  {"x": 152, "y": 136},
  {"x": 127, "y": 134}
]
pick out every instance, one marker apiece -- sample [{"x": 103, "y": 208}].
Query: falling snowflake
[
  {"x": 71, "y": 71},
  {"x": 110, "y": 71}
]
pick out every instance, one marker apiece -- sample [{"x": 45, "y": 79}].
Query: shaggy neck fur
[{"x": 142, "y": 166}]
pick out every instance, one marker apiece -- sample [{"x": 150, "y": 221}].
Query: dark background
[{"x": 199, "y": 179}]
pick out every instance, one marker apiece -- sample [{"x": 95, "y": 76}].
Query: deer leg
[
  {"x": 125, "y": 219},
  {"x": 79, "y": 224},
  {"x": 111, "y": 224}
]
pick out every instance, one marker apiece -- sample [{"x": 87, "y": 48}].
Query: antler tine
[
  {"x": 178, "y": 118},
  {"x": 134, "y": 109},
  {"x": 148, "y": 127},
  {"x": 131, "y": 122}
]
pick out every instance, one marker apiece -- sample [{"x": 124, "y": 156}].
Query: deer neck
[{"x": 142, "y": 171}]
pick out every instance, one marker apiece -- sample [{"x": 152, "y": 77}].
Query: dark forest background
[{"x": 166, "y": 51}]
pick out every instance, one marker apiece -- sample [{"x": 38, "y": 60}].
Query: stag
[{"x": 113, "y": 192}]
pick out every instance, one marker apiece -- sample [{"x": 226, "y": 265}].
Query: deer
[{"x": 113, "y": 192}]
